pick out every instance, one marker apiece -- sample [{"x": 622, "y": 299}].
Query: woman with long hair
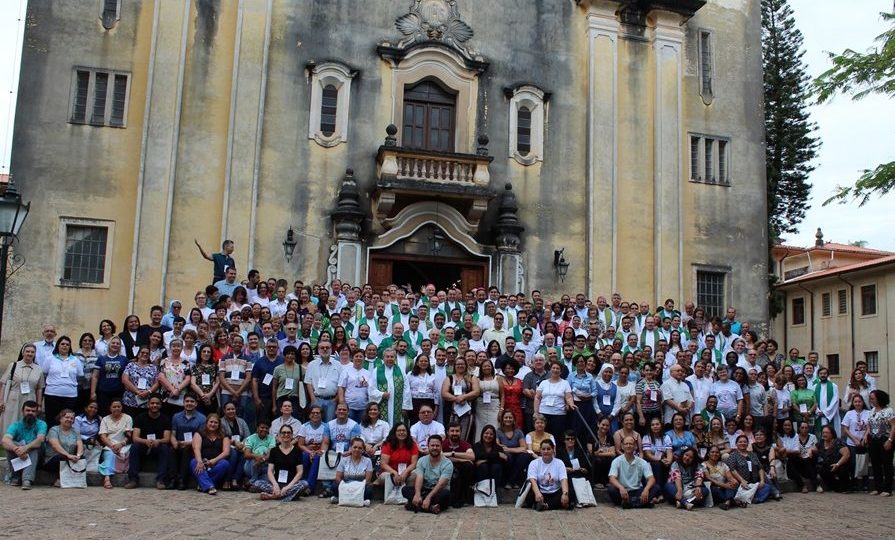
[
  {"x": 512, "y": 440},
  {"x": 204, "y": 380},
  {"x": 211, "y": 452},
  {"x": 487, "y": 403},
  {"x": 458, "y": 393}
]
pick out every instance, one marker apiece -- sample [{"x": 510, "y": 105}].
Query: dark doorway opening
[
  {"x": 418, "y": 273},
  {"x": 443, "y": 272}
]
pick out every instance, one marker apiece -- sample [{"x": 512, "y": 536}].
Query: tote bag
[
  {"x": 583, "y": 492},
  {"x": 351, "y": 493},
  {"x": 392, "y": 493},
  {"x": 485, "y": 494},
  {"x": 73, "y": 475}
]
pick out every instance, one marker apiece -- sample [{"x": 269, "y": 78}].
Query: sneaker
[
  {"x": 820, "y": 489},
  {"x": 131, "y": 484},
  {"x": 333, "y": 500},
  {"x": 26, "y": 485},
  {"x": 15, "y": 482},
  {"x": 366, "y": 502},
  {"x": 160, "y": 485},
  {"x": 326, "y": 493}
]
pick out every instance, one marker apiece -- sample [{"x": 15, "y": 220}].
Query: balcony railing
[{"x": 424, "y": 166}]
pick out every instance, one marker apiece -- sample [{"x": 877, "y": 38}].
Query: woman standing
[
  {"x": 204, "y": 381},
  {"x": 419, "y": 388},
  {"x": 803, "y": 401},
  {"x": 584, "y": 388},
  {"x": 63, "y": 370},
  {"x": 107, "y": 331},
  {"x": 140, "y": 379},
  {"x": 374, "y": 430},
  {"x": 157, "y": 350},
  {"x": 854, "y": 431},
  {"x": 882, "y": 433},
  {"x": 552, "y": 398},
  {"x": 512, "y": 440},
  {"x": 487, "y": 403},
  {"x": 857, "y": 385},
  {"x": 22, "y": 381},
  {"x": 287, "y": 380},
  {"x": 105, "y": 382},
  {"x": 211, "y": 450},
  {"x": 87, "y": 355},
  {"x": 511, "y": 391},
  {"x": 458, "y": 391},
  {"x": 649, "y": 397},
  {"x": 174, "y": 378}
]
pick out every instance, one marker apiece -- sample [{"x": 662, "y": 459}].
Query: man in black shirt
[{"x": 152, "y": 434}]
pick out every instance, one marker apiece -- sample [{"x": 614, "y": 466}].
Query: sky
[{"x": 855, "y": 135}]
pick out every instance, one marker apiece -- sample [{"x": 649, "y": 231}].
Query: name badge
[
  {"x": 289, "y": 383},
  {"x": 135, "y": 349},
  {"x": 267, "y": 378},
  {"x": 486, "y": 397},
  {"x": 321, "y": 383},
  {"x": 206, "y": 379},
  {"x": 575, "y": 464},
  {"x": 653, "y": 395},
  {"x": 803, "y": 408},
  {"x": 150, "y": 437},
  {"x": 458, "y": 390},
  {"x": 235, "y": 438},
  {"x": 234, "y": 375},
  {"x": 142, "y": 384},
  {"x": 749, "y": 465},
  {"x": 401, "y": 468},
  {"x": 25, "y": 387},
  {"x": 187, "y": 436},
  {"x": 282, "y": 476},
  {"x": 607, "y": 399},
  {"x": 340, "y": 447}
]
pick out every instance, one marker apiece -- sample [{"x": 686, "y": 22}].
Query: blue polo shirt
[
  {"x": 263, "y": 366},
  {"x": 180, "y": 424},
  {"x": 22, "y": 433}
]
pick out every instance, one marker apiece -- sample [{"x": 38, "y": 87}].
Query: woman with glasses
[
  {"x": 355, "y": 468},
  {"x": 284, "y": 471},
  {"x": 63, "y": 369}
]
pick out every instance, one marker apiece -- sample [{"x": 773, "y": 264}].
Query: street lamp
[
  {"x": 560, "y": 264},
  {"x": 436, "y": 241},
  {"x": 289, "y": 244},
  {"x": 12, "y": 215}
]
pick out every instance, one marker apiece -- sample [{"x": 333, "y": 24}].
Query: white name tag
[
  {"x": 340, "y": 447},
  {"x": 282, "y": 476},
  {"x": 401, "y": 468},
  {"x": 142, "y": 384},
  {"x": 458, "y": 390},
  {"x": 24, "y": 387},
  {"x": 289, "y": 384},
  {"x": 607, "y": 399},
  {"x": 321, "y": 383},
  {"x": 150, "y": 437},
  {"x": 235, "y": 438},
  {"x": 653, "y": 395},
  {"x": 267, "y": 378},
  {"x": 575, "y": 463},
  {"x": 206, "y": 379},
  {"x": 803, "y": 408},
  {"x": 187, "y": 436},
  {"x": 486, "y": 397},
  {"x": 234, "y": 375},
  {"x": 749, "y": 465}
]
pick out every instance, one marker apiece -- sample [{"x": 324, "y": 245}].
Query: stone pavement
[{"x": 47, "y": 512}]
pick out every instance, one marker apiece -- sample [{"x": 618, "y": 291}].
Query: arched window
[
  {"x": 428, "y": 117},
  {"x": 523, "y": 131},
  {"x": 328, "y": 107}
]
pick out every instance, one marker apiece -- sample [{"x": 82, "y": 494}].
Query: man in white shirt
[
  {"x": 422, "y": 430},
  {"x": 677, "y": 396},
  {"x": 497, "y": 333},
  {"x": 45, "y": 346},
  {"x": 278, "y": 306},
  {"x": 322, "y": 380},
  {"x": 702, "y": 386}
]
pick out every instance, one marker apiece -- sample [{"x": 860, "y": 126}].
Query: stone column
[
  {"x": 602, "y": 144},
  {"x": 345, "y": 260},
  {"x": 510, "y": 272},
  {"x": 667, "y": 36}
]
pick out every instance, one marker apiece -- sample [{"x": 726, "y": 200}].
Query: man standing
[
  {"x": 626, "y": 474},
  {"x": 22, "y": 443},
  {"x": 228, "y": 283},
  {"x": 826, "y": 395},
  {"x": 677, "y": 396},
  {"x": 183, "y": 426},
  {"x": 701, "y": 385},
  {"x": 431, "y": 491},
  {"x": 45, "y": 346},
  {"x": 322, "y": 380},
  {"x": 220, "y": 260},
  {"x": 152, "y": 434},
  {"x": 262, "y": 376}
]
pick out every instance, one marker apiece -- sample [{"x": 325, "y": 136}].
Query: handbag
[
  {"x": 523, "y": 494},
  {"x": 392, "y": 493},
  {"x": 352, "y": 493},
  {"x": 745, "y": 493},
  {"x": 92, "y": 455},
  {"x": 583, "y": 492},
  {"x": 73, "y": 476},
  {"x": 328, "y": 463},
  {"x": 485, "y": 494},
  {"x": 861, "y": 465}
]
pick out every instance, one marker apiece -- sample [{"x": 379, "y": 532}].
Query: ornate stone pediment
[{"x": 435, "y": 21}]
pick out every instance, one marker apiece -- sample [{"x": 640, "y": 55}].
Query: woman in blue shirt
[
  {"x": 679, "y": 436},
  {"x": 584, "y": 387},
  {"x": 105, "y": 382}
]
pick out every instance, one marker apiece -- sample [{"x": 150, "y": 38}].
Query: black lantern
[
  {"x": 560, "y": 264},
  {"x": 12, "y": 214},
  {"x": 436, "y": 241},
  {"x": 289, "y": 244}
]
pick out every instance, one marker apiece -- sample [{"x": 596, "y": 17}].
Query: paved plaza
[{"x": 46, "y": 512}]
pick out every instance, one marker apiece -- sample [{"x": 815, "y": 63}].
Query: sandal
[
  {"x": 435, "y": 509},
  {"x": 267, "y": 496},
  {"x": 677, "y": 504},
  {"x": 107, "y": 483}
]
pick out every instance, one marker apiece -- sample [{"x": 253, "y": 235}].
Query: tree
[
  {"x": 791, "y": 146},
  {"x": 863, "y": 74},
  {"x": 858, "y": 243}
]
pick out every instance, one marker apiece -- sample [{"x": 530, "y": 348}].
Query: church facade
[{"x": 396, "y": 141}]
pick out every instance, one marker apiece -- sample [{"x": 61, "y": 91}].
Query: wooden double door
[{"x": 443, "y": 272}]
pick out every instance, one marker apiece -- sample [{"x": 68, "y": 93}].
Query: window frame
[
  {"x": 109, "y": 18},
  {"x": 64, "y": 223},
  {"x": 535, "y": 100},
  {"x": 826, "y": 305},
  {"x": 793, "y": 311},
  {"x": 319, "y": 77},
  {"x": 875, "y": 361},
  {"x": 864, "y": 312},
  {"x": 724, "y": 272},
  {"x": 830, "y": 364},
  {"x": 705, "y": 34},
  {"x": 709, "y": 154},
  {"x": 842, "y": 302},
  {"x": 90, "y": 105}
]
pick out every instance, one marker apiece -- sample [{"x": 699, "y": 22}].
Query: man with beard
[
  {"x": 431, "y": 490},
  {"x": 22, "y": 442}
]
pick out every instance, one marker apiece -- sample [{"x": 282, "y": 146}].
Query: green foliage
[
  {"x": 789, "y": 134},
  {"x": 863, "y": 74}
]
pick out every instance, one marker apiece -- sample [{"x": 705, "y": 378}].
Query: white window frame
[
  {"x": 64, "y": 223},
  {"x": 707, "y": 97},
  {"x": 533, "y": 98},
  {"x": 321, "y": 76},
  {"x": 109, "y": 22},
  {"x": 110, "y": 97},
  {"x": 701, "y": 175}
]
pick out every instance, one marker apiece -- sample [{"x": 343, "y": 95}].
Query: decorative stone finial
[
  {"x": 819, "y": 238},
  {"x": 482, "y": 149},
  {"x": 348, "y": 215},
  {"x": 391, "y": 130},
  {"x": 508, "y": 228}
]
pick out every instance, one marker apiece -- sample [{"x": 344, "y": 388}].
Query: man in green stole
[
  {"x": 389, "y": 390},
  {"x": 826, "y": 395}
]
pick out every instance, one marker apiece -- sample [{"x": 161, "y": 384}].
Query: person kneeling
[
  {"x": 549, "y": 482},
  {"x": 626, "y": 474},
  {"x": 284, "y": 471},
  {"x": 431, "y": 491}
]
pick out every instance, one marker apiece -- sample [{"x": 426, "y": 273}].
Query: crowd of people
[{"x": 441, "y": 397}]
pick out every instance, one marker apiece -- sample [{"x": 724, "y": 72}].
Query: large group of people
[{"x": 441, "y": 397}]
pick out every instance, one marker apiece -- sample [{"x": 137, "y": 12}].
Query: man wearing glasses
[{"x": 262, "y": 375}]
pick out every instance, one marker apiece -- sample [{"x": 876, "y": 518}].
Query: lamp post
[
  {"x": 12, "y": 214},
  {"x": 436, "y": 241}
]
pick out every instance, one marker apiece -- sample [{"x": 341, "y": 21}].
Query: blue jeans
[
  {"x": 310, "y": 468},
  {"x": 328, "y": 407},
  {"x": 254, "y": 472},
  {"x": 721, "y": 495},
  {"x": 210, "y": 477},
  {"x": 236, "y": 470},
  {"x": 139, "y": 452},
  {"x": 356, "y": 414},
  {"x": 633, "y": 495},
  {"x": 762, "y": 494},
  {"x": 29, "y": 472}
]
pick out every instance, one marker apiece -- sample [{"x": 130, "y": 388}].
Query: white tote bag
[
  {"x": 745, "y": 493},
  {"x": 520, "y": 500},
  {"x": 73, "y": 475},
  {"x": 392, "y": 493},
  {"x": 92, "y": 454},
  {"x": 328, "y": 463},
  {"x": 485, "y": 494},
  {"x": 351, "y": 493},
  {"x": 583, "y": 492}
]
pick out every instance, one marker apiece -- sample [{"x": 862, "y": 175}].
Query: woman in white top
[
  {"x": 549, "y": 483},
  {"x": 552, "y": 398},
  {"x": 22, "y": 381},
  {"x": 355, "y": 468},
  {"x": 373, "y": 430},
  {"x": 420, "y": 389},
  {"x": 487, "y": 404},
  {"x": 855, "y": 425},
  {"x": 114, "y": 433},
  {"x": 801, "y": 453},
  {"x": 174, "y": 376},
  {"x": 625, "y": 396},
  {"x": 106, "y": 333},
  {"x": 63, "y": 369}
]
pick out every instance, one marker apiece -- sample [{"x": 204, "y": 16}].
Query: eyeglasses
[{"x": 285, "y": 434}]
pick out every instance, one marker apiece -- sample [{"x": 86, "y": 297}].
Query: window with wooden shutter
[
  {"x": 328, "y": 108},
  {"x": 428, "y": 118},
  {"x": 523, "y": 131}
]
